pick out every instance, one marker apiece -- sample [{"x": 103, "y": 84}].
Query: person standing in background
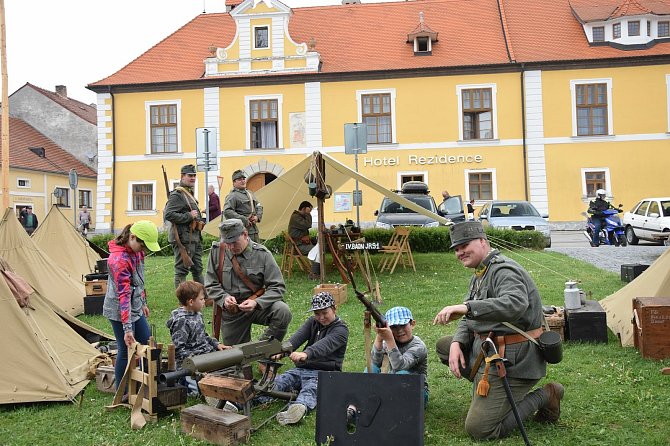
[
  {"x": 242, "y": 204},
  {"x": 28, "y": 219},
  {"x": 471, "y": 209},
  {"x": 214, "y": 203},
  {"x": 84, "y": 220}
]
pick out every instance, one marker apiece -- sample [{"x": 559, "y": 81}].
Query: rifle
[
  {"x": 183, "y": 253},
  {"x": 369, "y": 306}
]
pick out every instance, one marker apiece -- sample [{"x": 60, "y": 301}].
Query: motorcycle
[{"x": 611, "y": 230}]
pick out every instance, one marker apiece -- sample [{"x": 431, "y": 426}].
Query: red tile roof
[
  {"x": 373, "y": 37},
  {"x": 57, "y": 160},
  {"x": 86, "y": 112},
  {"x": 592, "y": 11}
]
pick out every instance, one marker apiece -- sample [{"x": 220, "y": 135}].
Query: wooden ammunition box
[
  {"x": 630, "y": 271},
  {"x": 587, "y": 323},
  {"x": 96, "y": 287},
  {"x": 227, "y": 388},
  {"x": 214, "y": 425},
  {"x": 93, "y": 304},
  {"x": 338, "y": 290},
  {"x": 651, "y": 326},
  {"x": 556, "y": 323},
  {"x": 104, "y": 379}
]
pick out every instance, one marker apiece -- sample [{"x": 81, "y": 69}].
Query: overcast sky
[{"x": 77, "y": 42}]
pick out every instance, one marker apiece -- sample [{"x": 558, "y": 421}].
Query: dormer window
[
  {"x": 261, "y": 39},
  {"x": 616, "y": 31},
  {"x": 422, "y": 38},
  {"x": 663, "y": 29},
  {"x": 598, "y": 33},
  {"x": 422, "y": 45},
  {"x": 634, "y": 28}
]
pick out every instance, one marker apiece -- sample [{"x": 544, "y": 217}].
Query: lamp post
[{"x": 355, "y": 142}]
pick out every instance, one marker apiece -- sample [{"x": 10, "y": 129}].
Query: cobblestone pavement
[{"x": 611, "y": 258}]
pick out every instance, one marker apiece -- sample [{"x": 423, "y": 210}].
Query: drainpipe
[
  {"x": 523, "y": 130},
  {"x": 111, "y": 225}
]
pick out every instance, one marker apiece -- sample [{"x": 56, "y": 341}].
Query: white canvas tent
[
  {"x": 60, "y": 240},
  {"x": 43, "y": 359},
  {"x": 42, "y": 272},
  {"x": 653, "y": 282},
  {"x": 284, "y": 194}
]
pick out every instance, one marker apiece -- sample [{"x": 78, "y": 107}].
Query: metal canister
[{"x": 572, "y": 296}]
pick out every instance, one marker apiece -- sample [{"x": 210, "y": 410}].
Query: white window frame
[
  {"x": 90, "y": 191},
  {"x": 147, "y": 110},
  {"x": 359, "y": 105},
  {"x": 573, "y": 99},
  {"x": 667, "y": 92},
  {"x": 253, "y": 37},
  {"x": 67, "y": 192},
  {"x": 494, "y": 107},
  {"x": 129, "y": 209},
  {"x": 280, "y": 118},
  {"x": 416, "y": 44},
  {"x": 400, "y": 174},
  {"x": 608, "y": 181},
  {"x": 28, "y": 183},
  {"x": 494, "y": 183}
]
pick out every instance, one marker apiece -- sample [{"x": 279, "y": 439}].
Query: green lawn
[{"x": 613, "y": 397}]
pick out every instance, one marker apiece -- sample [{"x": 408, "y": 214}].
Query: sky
[{"x": 78, "y": 42}]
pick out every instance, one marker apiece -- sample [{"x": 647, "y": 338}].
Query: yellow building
[{"x": 490, "y": 99}]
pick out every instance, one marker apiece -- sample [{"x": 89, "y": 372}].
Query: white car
[
  {"x": 650, "y": 217},
  {"x": 516, "y": 215}
]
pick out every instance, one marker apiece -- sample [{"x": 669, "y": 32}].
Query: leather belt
[{"x": 502, "y": 341}]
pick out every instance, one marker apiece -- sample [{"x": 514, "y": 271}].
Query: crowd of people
[{"x": 244, "y": 282}]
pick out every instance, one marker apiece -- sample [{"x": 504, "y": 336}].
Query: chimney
[{"x": 61, "y": 90}]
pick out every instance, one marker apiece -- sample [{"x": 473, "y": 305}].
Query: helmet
[{"x": 601, "y": 193}]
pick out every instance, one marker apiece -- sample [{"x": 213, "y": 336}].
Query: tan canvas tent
[
  {"x": 58, "y": 238},
  {"x": 284, "y": 194},
  {"x": 653, "y": 282},
  {"x": 42, "y": 272},
  {"x": 43, "y": 359}
]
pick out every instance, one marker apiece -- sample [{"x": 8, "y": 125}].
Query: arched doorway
[{"x": 258, "y": 180}]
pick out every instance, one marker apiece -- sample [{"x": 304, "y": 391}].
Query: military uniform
[
  {"x": 298, "y": 228},
  {"x": 262, "y": 270},
  {"x": 241, "y": 204},
  {"x": 178, "y": 212}
]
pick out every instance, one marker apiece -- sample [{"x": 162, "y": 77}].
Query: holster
[{"x": 197, "y": 225}]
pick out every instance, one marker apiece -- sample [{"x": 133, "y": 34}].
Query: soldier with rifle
[
  {"x": 185, "y": 223},
  {"x": 242, "y": 204},
  {"x": 503, "y": 308},
  {"x": 245, "y": 282}
]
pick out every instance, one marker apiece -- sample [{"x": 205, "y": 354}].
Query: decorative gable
[
  {"x": 422, "y": 38},
  {"x": 262, "y": 43}
]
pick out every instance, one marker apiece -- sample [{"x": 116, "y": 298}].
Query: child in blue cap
[{"x": 406, "y": 352}]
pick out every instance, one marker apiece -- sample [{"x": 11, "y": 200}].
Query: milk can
[{"x": 573, "y": 299}]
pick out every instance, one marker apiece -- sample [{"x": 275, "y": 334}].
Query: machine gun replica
[{"x": 226, "y": 375}]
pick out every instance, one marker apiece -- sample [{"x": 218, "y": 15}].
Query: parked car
[
  {"x": 516, "y": 215},
  {"x": 651, "y": 216},
  {"x": 391, "y": 214},
  {"x": 452, "y": 208}
]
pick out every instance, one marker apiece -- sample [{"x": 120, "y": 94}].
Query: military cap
[
  {"x": 239, "y": 174},
  {"x": 464, "y": 232},
  {"x": 231, "y": 230},
  {"x": 322, "y": 300},
  {"x": 189, "y": 168}
]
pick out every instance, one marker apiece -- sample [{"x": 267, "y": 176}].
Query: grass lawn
[{"x": 613, "y": 397}]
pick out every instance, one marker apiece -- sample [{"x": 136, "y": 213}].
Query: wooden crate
[
  {"x": 104, "y": 379},
  {"x": 651, "y": 326},
  {"x": 556, "y": 323},
  {"x": 214, "y": 425},
  {"x": 227, "y": 388},
  {"x": 338, "y": 290},
  {"x": 93, "y": 304},
  {"x": 96, "y": 287}
]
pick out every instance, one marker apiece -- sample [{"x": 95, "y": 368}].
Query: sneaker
[
  {"x": 230, "y": 407},
  {"x": 292, "y": 415},
  {"x": 551, "y": 412}
]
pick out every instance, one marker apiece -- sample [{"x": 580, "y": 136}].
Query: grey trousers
[
  {"x": 236, "y": 328},
  {"x": 194, "y": 250}
]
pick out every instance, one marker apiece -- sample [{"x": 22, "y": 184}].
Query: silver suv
[{"x": 391, "y": 214}]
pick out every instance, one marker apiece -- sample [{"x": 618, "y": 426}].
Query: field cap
[
  {"x": 231, "y": 230},
  {"x": 398, "y": 316},
  {"x": 147, "y": 232},
  {"x": 464, "y": 232},
  {"x": 322, "y": 300},
  {"x": 189, "y": 168},
  {"x": 29, "y": 207},
  {"x": 239, "y": 174}
]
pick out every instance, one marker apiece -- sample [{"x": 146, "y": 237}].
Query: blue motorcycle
[{"x": 611, "y": 230}]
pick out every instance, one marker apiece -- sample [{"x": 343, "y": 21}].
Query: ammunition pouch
[
  {"x": 551, "y": 345},
  {"x": 197, "y": 225}
]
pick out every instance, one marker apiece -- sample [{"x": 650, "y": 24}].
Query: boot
[
  {"x": 551, "y": 412},
  {"x": 178, "y": 280},
  {"x": 315, "y": 274}
]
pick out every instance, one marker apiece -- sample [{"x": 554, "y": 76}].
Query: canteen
[{"x": 572, "y": 296}]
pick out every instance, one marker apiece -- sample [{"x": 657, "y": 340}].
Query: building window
[
  {"x": 648, "y": 28},
  {"x": 23, "y": 183},
  {"x": 591, "y": 109},
  {"x": 377, "y": 116},
  {"x": 163, "y": 128},
  {"x": 634, "y": 28},
  {"x": 598, "y": 33},
  {"x": 663, "y": 29},
  {"x": 616, "y": 30},
  {"x": 264, "y": 118},
  {"x": 142, "y": 197},
  {"x": 62, "y": 195},
  {"x": 422, "y": 45},
  {"x": 261, "y": 37},
  {"x": 404, "y": 178},
  {"x": 477, "y": 113},
  {"x": 594, "y": 180},
  {"x": 85, "y": 198},
  {"x": 480, "y": 185}
]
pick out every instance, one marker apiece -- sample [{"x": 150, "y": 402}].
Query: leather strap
[{"x": 515, "y": 338}]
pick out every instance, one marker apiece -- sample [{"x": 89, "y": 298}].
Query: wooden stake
[{"x": 4, "y": 120}]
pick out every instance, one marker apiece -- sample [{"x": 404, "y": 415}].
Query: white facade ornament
[
  {"x": 301, "y": 50},
  {"x": 221, "y": 54}
]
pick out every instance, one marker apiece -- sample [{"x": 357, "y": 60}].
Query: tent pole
[{"x": 320, "y": 185}]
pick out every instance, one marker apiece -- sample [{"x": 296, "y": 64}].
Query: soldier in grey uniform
[
  {"x": 241, "y": 203},
  {"x": 262, "y": 303},
  {"x": 182, "y": 211},
  {"x": 500, "y": 291}
]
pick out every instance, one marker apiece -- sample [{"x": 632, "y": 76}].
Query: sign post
[
  {"x": 206, "y": 158},
  {"x": 74, "y": 180},
  {"x": 355, "y": 142}
]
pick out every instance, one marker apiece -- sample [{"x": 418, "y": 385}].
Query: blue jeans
[
  {"x": 377, "y": 369},
  {"x": 597, "y": 224},
  {"x": 304, "y": 381},
  {"x": 141, "y": 331}
]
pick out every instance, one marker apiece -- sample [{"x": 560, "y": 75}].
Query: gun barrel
[
  {"x": 172, "y": 377},
  {"x": 215, "y": 360}
]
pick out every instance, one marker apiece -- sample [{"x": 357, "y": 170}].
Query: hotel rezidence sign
[{"x": 421, "y": 160}]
